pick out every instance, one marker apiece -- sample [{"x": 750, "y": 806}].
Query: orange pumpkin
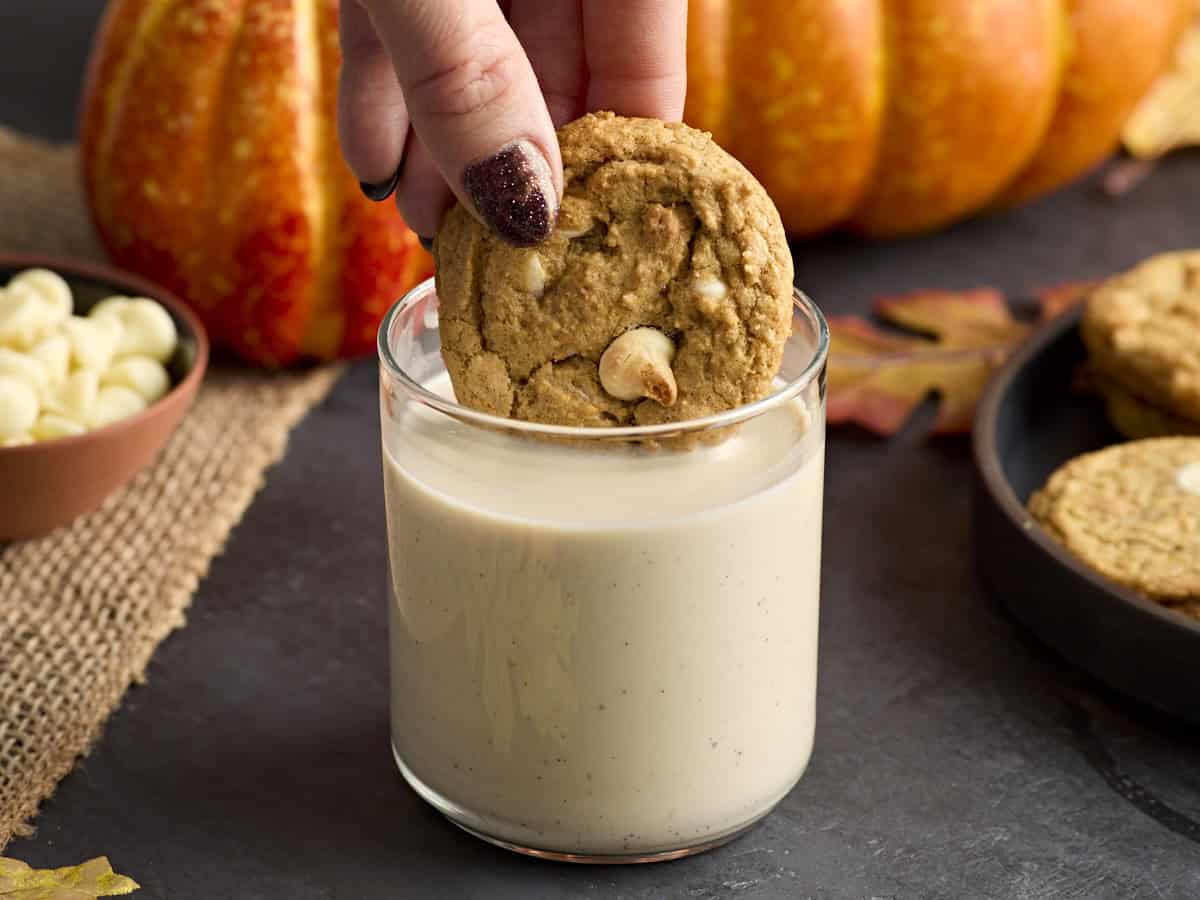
[
  {"x": 212, "y": 166},
  {"x": 899, "y": 117}
]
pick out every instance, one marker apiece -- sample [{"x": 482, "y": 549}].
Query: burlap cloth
[{"x": 82, "y": 611}]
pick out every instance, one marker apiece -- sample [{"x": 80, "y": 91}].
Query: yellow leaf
[{"x": 87, "y": 881}]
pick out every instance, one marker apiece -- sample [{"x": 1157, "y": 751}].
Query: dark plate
[{"x": 1029, "y": 423}]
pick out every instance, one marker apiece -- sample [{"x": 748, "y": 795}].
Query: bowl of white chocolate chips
[{"x": 97, "y": 368}]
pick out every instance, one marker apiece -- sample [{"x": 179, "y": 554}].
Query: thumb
[{"x": 475, "y": 104}]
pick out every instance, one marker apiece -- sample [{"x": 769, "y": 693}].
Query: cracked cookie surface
[
  {"x": 1132, "y": 513},
  {"x": 659, "y": 228},
  {"x": 1142, "y": 329}
]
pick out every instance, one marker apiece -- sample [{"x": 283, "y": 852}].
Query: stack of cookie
[
  {"x": 1142, "y": 331},
  {"x": 1132, "y": 511}
]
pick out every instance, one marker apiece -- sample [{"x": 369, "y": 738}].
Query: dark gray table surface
[{"x": 955, "y": 757}]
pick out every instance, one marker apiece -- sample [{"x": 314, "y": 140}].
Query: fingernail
[
  {"x": 427, "y": 243},
  {"x": 383, "y": 189},
  {"x": 513, "y": 193}
]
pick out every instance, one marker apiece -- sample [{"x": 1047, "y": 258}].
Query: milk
[{"x": 603, "y": 650}]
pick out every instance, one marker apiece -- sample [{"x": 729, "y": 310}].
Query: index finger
[
  {"x": 475, "y": 104},
  {"x": 637, "y": 56}
]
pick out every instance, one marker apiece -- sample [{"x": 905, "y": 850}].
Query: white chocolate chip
[
  {"x": 18, "y": 407},
  {"x": 1188, "y": 478},
  {"x": 50, "y": 426},
  {"x": 711, "y": 288},
  {"x": 76, "y": 396},
  {"x": 114, "y": 403},
  {"x": 638, "y": 364},
  {"x": 108, "y": 306},
  {"x": 94, "y": 342},
  {"x": 57, "y": 372},
  {"x": 148, "y": 329},
  {"x": 54, "y": 353},
  {"x": 535, "y": 275},
  {"x": 24, "y": 319},
  {"x": 24, "y": 366},
  {"x": 49, "y": 287},
  {"x": 144, "y": 376}
]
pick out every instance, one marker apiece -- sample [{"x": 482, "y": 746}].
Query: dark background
[{"x": 955, "y": 758}]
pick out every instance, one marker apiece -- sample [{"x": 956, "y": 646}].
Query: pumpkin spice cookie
[
  {"x": 1142, "y": 331},
  {"x": 663, "y": 294},
  {"x": 1136, "y": 419},
  {"x": 1132, "y": 513}
]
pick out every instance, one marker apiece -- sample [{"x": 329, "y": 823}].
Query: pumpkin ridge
[
  {"x": 882, "y": 99},
  {"x": 1065, "y": 44},
  {"x": 112, "y": 34},
  {"x": 270, "y": 241},
  {"x": 709, "y": 52},
  {"x": 223, "y": 97},
  {"x": 112, "y": 97},
  {"x": 152, "y": 189},
  {"x": 1068, "y": 42},
  {"x": 1096, "y": 97},
  {"x": 805, "y": 103},
  {"x": 325, "y": 331},
  {"x": 973, "y": 88},
  {"x": 888, "y": 40}
]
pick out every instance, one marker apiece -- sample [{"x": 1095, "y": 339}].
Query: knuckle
[{"x": 477, "y": 77}]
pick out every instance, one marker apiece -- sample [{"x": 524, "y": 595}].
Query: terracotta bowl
[{"x": 43, "y": 486}]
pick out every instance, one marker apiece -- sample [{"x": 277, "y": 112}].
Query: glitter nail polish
[{"x": 513, "y": 193}]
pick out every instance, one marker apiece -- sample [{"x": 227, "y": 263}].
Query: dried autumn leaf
[
  {"x": 1169, "y": 116},
  {"x": 878, "y": 379},
  {"x": 87, "y": 881}
]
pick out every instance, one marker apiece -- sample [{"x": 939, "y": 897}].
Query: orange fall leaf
[{"x": 950, "y": 344}]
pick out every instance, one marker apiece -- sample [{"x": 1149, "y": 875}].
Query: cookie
[
  {"x": 663, "y": 294},
  {"x": 1132, "y": 513},
  {"x": 1137, "y": 419},
  {"x": 1142, "y": 329}
]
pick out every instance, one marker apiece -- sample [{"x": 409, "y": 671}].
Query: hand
[{"x": 443, "y": 95}]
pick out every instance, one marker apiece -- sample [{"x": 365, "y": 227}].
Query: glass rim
[{"x": 801, "y": 304}]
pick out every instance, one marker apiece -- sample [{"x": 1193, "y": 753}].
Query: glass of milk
[{"x": 602, "y": 648}]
